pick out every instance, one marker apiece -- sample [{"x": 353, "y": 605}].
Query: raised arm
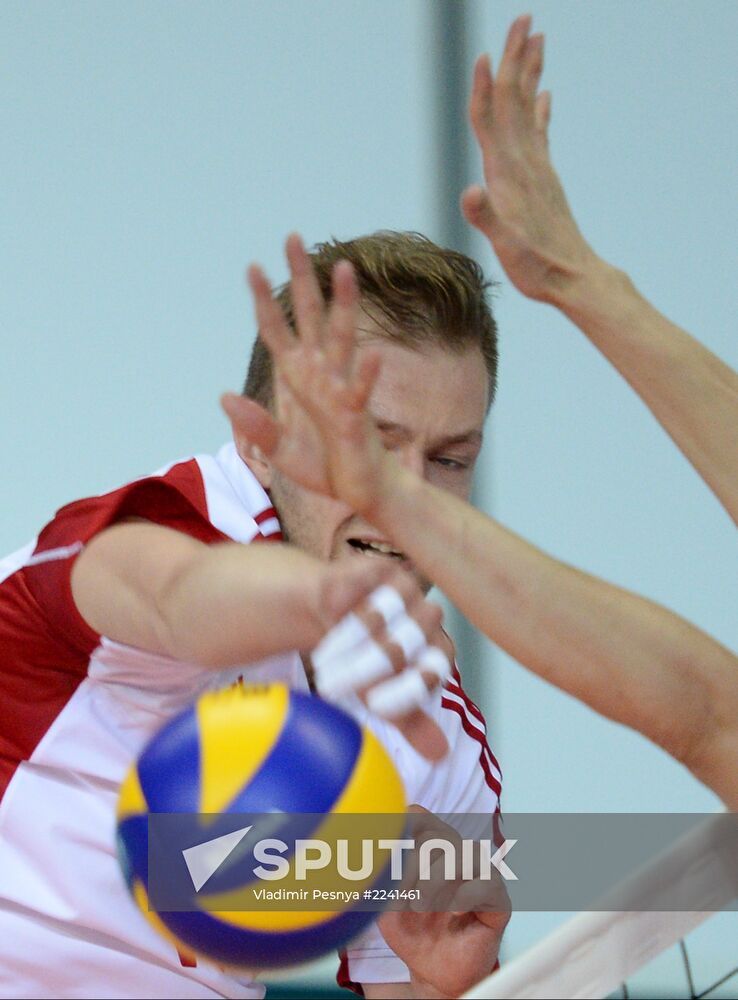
[
  {"x": 625, "y": 656},
  {"x": 525, "y": 215},
  {"x": 628, "y": 658}
]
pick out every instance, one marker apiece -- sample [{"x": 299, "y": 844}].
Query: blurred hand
[
  {"x": 453, "y": 943},
  {"x": 523, "y": 209},
  {"x": 321, "y": 436},
  {"x": 391, "y": 653}
]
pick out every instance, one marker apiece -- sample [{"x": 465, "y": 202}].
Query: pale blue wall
[
  {"x": 643, "y": 135},
  {"x": 149, "y": 151}
]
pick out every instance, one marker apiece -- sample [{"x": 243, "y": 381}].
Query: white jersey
[{"x": 78, "y": 708}]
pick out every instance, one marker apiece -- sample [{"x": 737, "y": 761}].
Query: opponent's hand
[
  {"x": 454, "y": 941},
  {"x": 390, "y": 653},
  {"x": 523, "y": 209},
  {"x": 321, "y": 436}
]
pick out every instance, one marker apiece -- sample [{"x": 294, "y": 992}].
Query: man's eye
[{"x": 451, "y": 463}]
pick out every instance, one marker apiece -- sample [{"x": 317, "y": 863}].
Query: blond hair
[{"x": 416, "y": 291}]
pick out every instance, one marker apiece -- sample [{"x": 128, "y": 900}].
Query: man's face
[{"x": 429, "y": 405}]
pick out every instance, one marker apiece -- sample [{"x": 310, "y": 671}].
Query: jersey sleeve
[
  {"x": 467, "y": 783},
  {"x": 174, "y": 500}
]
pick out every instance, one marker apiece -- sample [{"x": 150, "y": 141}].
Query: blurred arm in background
[
  {"x": 524, "y": 214},
  {"x": 627, "y": 657}
]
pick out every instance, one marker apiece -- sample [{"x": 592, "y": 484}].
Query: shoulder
[
  {"x": 211, "y": 497},
  {"x": 208, "y": 498}
]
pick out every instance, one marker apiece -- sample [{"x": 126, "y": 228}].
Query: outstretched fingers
[
  {"x": 273, "y": 328},
  {"x": 516, "y": 84},
  {"x": 366, "y": 374},
  {"x": 531, "y": 68},
  {"x": 542, "y": 112},
  {"x": 347, "y": 378},
  {"x": 509, "y": 72},
  {"x": 317, "y": 364},
  {"x": 480, "y": 104},
  {"x": 307, "y": 299},
  {"x": 342, "y": 320},
  {"x": 507, "y": 101}
]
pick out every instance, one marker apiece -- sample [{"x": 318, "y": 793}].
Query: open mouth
[{"x": 375, "y": 548}]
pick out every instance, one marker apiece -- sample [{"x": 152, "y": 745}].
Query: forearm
[
  {"x": 157, "y": 589},
  {"x": 690, "y": 391},
  {"x": 234, "y": 603},
  {"x": 627, "y": 657}
]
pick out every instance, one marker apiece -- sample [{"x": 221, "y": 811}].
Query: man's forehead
[{"x": 429, "y": 387}]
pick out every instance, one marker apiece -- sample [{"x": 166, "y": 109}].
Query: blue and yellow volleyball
[{"x": 245, "y": 750}]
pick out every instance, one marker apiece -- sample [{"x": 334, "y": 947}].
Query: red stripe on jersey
[
  {"x": 45, "y": 642},
  {"x": 266, "y": 515},
  {"x": 497, "y": 835},
  {"x": 455, "y": 686},
  {"x": 470, "y": 706},
  {"x": 343, "y": 977},
  {"x": 478, "y": 735}
]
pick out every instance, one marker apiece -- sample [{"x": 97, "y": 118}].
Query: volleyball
[{"x": 253, "y": 750}]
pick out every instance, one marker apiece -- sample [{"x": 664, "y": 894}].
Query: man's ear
[
  {"x": 259, "y": 464},
  {"x": 251, "y": 423}
]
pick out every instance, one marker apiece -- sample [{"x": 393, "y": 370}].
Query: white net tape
[{"x": 594, "y": 953}]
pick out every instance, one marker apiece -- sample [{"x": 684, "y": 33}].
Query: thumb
[
  {"x": 542, "y": 112},
  {"x": 347, "y": 583},
  {"x": 250, "y": 420},
  {"x": 477, "y": 209},
  {"x": 423, "y": 734},
  {"x": 496, "y": 919}
]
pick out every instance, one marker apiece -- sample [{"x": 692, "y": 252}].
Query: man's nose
[{"x": 413, "y": 458}]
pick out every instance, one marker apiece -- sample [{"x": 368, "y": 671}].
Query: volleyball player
[
  {"x": 128, "y": 605},
  {"x": 628, "y": 658}
]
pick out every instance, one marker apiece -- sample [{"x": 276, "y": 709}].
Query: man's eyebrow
[
  {"x": 467, "y": 437},
  {"x": 472, "y": 436}
]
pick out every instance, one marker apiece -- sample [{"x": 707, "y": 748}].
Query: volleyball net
[{"x": 606, "y": 952}]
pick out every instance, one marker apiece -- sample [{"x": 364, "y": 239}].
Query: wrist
[
  {"x": 293, "y": 584},
  {"x": 423, "y": 990},
  {"x": 234, "y": 604},
  {"x": 394, "y": 495},
  {"x": 595, "y": 292}
]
